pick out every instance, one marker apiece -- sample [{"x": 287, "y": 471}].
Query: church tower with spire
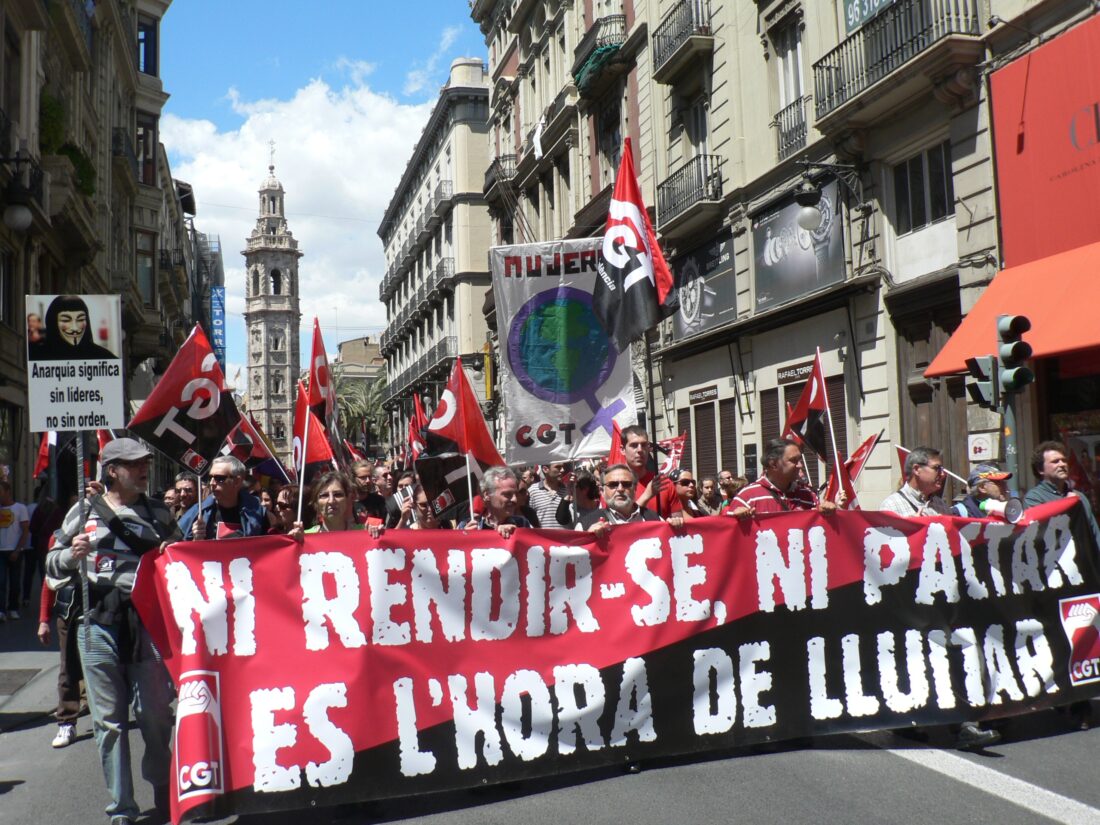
[{"x": 271, "y": 317}]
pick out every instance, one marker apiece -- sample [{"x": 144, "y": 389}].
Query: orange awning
[{"x": 1059, "y": 293}]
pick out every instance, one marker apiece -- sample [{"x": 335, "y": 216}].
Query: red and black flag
[
  {"x": 190, "y": 412},
  {"x": 809, "y": 421},
  {"x": 458, "y": 447},
  {"x": 417, "y": 425},
  {"x": 247, "y": 443},
  {"x": 852, "y": 468},
  {"x": 309, "y": 438},
  {"x": 322, "y": 394},
  {"x": 633, "y": 291}
]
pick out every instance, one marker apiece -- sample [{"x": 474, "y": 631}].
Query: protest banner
[
  {"x": 74, "y": 370},
  {"x": 563, "y": 383},
  {"x": 348, "y": 668}
]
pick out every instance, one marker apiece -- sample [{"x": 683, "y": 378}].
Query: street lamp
[
  {"x": 808, "y": 193},
  {"x": 17, "y": 213}
]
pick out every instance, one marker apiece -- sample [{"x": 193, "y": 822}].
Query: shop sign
[
  {"x": 794, "y": 373},
  {"x": 790, "y": 261},
  {"x": 706, "y": 288},
  {"x": 705, "y": 394}
]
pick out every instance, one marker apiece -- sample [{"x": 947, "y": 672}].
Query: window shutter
[
  {"x": 834, "y": 388},
  {"x": 706, "y": 445},
  {"x": 727, "y": 430},
  {"x": 769, "y": 417},
  {"x": 683, "y": 425}
]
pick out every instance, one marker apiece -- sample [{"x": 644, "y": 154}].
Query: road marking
[{"x": 1023, "y": 794}]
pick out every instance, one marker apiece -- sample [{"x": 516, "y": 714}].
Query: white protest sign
[{"x": 74, "y": 369}]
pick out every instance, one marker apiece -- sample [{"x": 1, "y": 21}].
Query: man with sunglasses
[
  {"x": 619, "y": 484},
  {"x": 103, "y": 540},
  {"x": 230, "y": 511},
  {"x": 924, "y": 479}
]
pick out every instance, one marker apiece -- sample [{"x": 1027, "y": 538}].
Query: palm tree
[{"x": 359, "y": 402}]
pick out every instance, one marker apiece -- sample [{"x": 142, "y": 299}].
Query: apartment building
[
  {"x": 435, "y": 234},
  {"x": 821, "y": 176},
  {"x": 88, "y": 199}
]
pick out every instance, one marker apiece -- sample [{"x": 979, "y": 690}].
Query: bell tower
[{"x": 271, "y": 317}]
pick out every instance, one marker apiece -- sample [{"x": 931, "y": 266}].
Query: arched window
[
  {"x": 256, "y": 281},
  {"x": 276, "y": 282},
  {"x": 276, "y": 341},
  {"x": 279, "y": 428},
  {"x": 276, "y": 384}
]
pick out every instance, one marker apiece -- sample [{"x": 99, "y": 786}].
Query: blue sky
[{"x": 343, "y": 94}]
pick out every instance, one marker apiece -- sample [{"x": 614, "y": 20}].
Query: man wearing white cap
[{"x": 107, "y": 537}]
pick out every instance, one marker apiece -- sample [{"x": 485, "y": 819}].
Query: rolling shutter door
[
  {"x": 727, "y": 433},
  {"x": 683, "y": 425},
  {"x": 706, "y": 444}
]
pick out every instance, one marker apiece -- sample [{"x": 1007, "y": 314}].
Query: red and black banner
[{"x": 348, "y": 668}]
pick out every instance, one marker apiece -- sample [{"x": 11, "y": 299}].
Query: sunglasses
[
  {"x": 218, "y": 478},
  {"x": 687, "y": 482},
  {"x": 618, "y": 485}
]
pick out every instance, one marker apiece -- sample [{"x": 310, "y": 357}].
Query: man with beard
[
  {"x": 619, "y": 485},
  {"x": 187, "y": 493},
  {"x": 121, "y": 666},
  {"x": 1050, "y": 464},
  {"x": 781, "y": 488}
]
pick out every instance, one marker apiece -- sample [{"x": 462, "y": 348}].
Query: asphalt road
[{"x": 1045, "y": 770}]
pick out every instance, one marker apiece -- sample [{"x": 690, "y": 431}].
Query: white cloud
[
  {"x": 418, "y": 78},
  {"x": 339, "y": 155}
]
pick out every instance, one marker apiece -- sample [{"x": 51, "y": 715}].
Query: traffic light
[
  {"x": 1012, "y": 352},
  {"x": 985, "y": 389}
]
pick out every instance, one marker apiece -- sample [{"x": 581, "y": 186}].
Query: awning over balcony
[{"x": 1058, "y": 293}]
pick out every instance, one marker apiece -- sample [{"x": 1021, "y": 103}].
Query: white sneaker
[
  {"x": 13, "y": 614},
  {"x": 65, "y": 735}
]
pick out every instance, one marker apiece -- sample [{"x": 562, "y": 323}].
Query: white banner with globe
[{"x": 563, "y": 383}]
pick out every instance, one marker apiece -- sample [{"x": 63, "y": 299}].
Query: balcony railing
[
  {"x": 443, "y": 276},
  {"x": 501, "y": 169},
  {"x": 83, "y": 21},
  {"x": 441, "y": 199},
  {"x": 700, "y": 179},
  {"x": 606, "y": 31},
  {"x": 122, "y": 147},
  {"x": 790, "y": 126},
  {"x": 687, "y": 18},
  {"x": 885, "y": 43}
]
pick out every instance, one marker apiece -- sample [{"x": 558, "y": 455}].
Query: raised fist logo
[
  {"x": 195, "y": 697},
  {"x": 1079, "y": 616}
]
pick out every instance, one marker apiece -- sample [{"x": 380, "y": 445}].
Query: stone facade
[
  {"x": 272, "y": 318},
  {"x": 435, "y": 234}
]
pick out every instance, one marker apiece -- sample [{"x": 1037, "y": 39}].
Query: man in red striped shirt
[{"x": 781, "y": 488}]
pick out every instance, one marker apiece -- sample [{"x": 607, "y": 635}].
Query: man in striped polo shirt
[{"x": 781, "y": 488}]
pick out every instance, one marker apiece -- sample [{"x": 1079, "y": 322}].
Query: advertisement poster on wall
[
  {"x": 790, "y": 261},
  {"x": 706, "y": 288}
]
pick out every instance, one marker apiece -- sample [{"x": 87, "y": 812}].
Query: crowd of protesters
[{"x": 120, "y": 668}]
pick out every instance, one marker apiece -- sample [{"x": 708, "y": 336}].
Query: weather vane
[{"x": 271, "y": 143}]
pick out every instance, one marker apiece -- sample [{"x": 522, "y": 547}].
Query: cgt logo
[
  {"x": 198, "y": 751},
  {"x": 200, "y": 776},
  {"x": 1081, "y": 621}
]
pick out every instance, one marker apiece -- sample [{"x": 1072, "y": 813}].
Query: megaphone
[{"x": 1010, "y": 510}]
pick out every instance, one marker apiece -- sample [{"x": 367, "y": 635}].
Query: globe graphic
[{"x": 557, "y": 348}]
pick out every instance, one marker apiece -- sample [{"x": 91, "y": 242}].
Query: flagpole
[
  {"x": 837, "y": 468},
  {"x": 652, "y": 403},
  {"x": 470, "y": 484},
  {"x": 305, "y": 448}
]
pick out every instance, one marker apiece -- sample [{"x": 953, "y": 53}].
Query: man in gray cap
[
  {"x": 103, "y": 539},
  {"x": 986, "y": 483}
]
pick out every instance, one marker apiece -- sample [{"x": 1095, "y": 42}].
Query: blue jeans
[{"x": 112, "y": 687}]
